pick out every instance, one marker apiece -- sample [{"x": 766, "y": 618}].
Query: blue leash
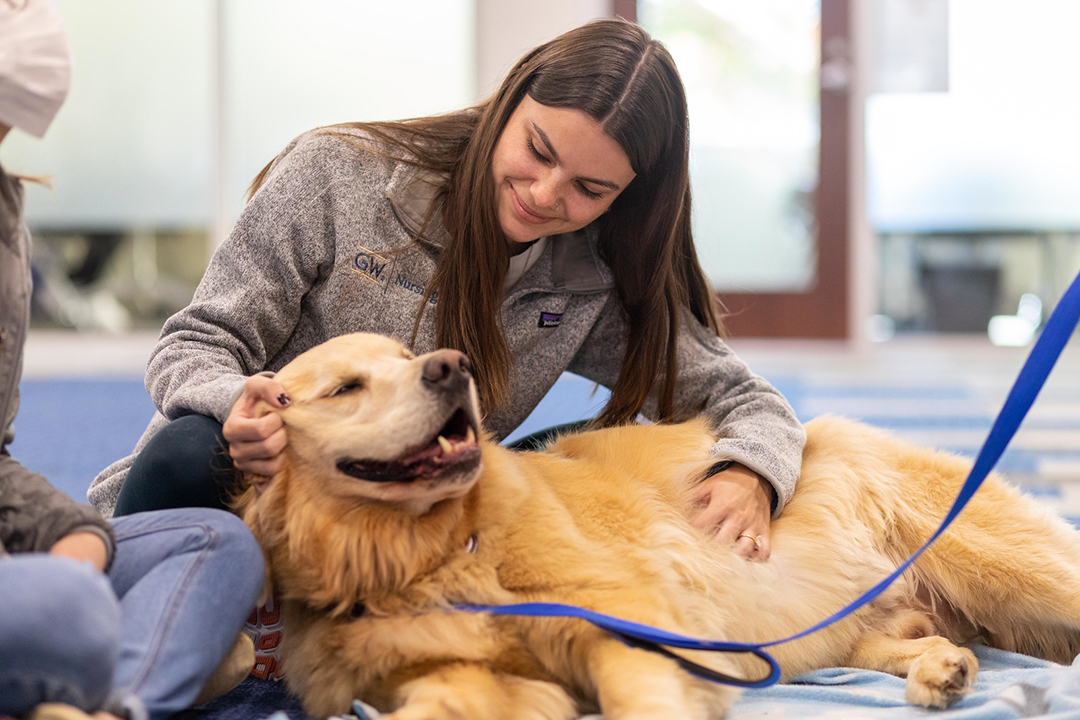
[{"x": 1040, "y": 362}]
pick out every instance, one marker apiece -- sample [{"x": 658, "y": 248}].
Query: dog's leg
[
  {"x": 636, "y": 684},
  {"x": 938, "y": 672},
  {"x": 1014, "y": 571},
  {"x": 471, "y": 692}
]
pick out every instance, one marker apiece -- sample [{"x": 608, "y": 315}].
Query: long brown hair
[{"x": 615, "y": 73}]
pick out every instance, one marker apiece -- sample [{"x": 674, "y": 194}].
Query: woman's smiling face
[{"x": 555, "y": 171}]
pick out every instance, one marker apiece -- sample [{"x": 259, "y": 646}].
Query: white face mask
[{"x": 35, "y": 67}]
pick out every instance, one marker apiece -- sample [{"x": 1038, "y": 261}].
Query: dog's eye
[{"x": 348, "y": 387}]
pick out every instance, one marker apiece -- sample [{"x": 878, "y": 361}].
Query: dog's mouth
[{"x": 451, "y": 451}]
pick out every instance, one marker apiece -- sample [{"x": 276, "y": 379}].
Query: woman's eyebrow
[{"x": 551, "y": 149}]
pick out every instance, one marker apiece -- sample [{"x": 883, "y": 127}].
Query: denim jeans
[{"x": 150, "y": 634}]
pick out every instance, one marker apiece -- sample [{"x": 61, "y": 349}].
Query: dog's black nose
[{"x": 447, "y": 369}]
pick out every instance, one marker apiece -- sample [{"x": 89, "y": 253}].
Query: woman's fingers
[
  {"x": 246, "y": 429},
  {"x": 753, "y": 546},
  {"x": 261, "y": 387},
  {"x": 738, "y": 505},
  {"x": 256, "y": 443}
]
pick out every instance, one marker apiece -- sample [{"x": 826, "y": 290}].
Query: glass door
[{"x": 768, "y": 131}]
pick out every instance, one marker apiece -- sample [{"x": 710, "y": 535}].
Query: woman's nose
[{"x": 545, "y": 191}]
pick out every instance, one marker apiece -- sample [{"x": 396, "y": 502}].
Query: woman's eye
[
  {"x": 589, "y": 193},
  {"x": 347, "y": 388},
  {"x": 536, "y": 153}
]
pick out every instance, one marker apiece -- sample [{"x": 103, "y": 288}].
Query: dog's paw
[{"x": 941, "y": 675}]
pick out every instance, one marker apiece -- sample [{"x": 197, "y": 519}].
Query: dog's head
[
  {"x": 375, "y": 422},
  {"x": 382, "y": 454}
]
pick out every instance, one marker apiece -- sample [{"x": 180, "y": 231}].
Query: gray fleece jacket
[
  {"x": 33, "y": 514},
  {"x": 330, "y": 245}
]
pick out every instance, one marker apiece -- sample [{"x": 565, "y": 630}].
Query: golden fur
[{"x": 367, "y": 570}]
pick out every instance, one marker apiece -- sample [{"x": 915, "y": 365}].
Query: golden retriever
[{"x": 390, "y": 510}]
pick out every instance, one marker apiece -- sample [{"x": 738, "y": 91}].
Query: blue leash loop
[{"x": 1033, "y": 374}]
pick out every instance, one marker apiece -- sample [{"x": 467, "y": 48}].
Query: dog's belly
[{"x": 832, "y": 543}]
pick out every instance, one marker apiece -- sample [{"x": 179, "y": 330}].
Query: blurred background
[
  {"x": 861, "y": 168},
  {"x": 887, "y": 192}
]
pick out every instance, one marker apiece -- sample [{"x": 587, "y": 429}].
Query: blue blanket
[{"x": 1008, "y": 686}]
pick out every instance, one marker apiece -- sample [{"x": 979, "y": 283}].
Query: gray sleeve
[
  {"x": 249, "y": 301},
  {"x": 34, "y": 515},
  {"x": 14, "y": 299},
  {"x": 754, "y": 424}
]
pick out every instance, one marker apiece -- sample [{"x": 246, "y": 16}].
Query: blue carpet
[
  {"x": 253, "y": 699},
  {"x": 68, "y": 430}
]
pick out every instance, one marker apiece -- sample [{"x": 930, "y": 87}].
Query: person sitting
[{"x": 129, "y": 617}]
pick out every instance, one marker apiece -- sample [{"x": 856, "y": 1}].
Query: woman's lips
[{"x": 523, "y": 212}]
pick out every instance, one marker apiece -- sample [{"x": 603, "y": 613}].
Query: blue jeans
[{"x": 149, "y": 634}]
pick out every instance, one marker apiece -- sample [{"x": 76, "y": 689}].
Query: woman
[{"x": 547, "y": 229}]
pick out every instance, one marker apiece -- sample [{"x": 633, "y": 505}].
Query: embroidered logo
[
  {"x": 549, "y": 320},
  {"x": 404, "y": 282},
  {"x": 370, "y": 265}
]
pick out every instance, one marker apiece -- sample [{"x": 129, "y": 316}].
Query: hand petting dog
[
  {"x": 738, "y": 502},
  {"x": 255, "y": 443}
]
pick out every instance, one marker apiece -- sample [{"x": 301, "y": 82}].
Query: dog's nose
[{"x": 447, "y": 369}]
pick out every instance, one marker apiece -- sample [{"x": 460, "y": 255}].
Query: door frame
[{"x": 823, "y": 310}]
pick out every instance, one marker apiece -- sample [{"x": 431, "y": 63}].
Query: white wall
[
  {"x": 1000, "y": 149},
  {"x": 144, "y": 140},
  {"x": 132, "y": 144},
  {"x": 507, "y": 29},
  {"x": 288, "y": 68}
]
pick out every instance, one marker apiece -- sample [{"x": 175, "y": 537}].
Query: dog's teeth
[
  {"x": 470, "y": 436},
  {"x": 445, "y": 444}
]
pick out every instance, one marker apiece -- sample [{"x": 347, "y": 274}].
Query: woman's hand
[
  {"x": 85, "y": 546},
  {"x": 255, "y": 444},
  {"x": 739, "y": 501}
]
